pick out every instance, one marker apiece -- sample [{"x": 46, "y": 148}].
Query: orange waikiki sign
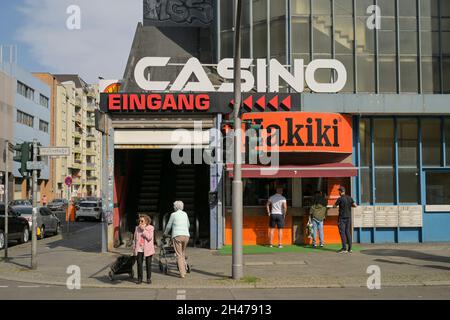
[{"x": 302, "y": 131}]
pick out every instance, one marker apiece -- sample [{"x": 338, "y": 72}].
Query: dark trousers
[
  {"x": 148, "y": 265},
  {"x": 345, "y": 230}
]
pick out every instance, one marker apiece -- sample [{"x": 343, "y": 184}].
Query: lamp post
[{"x": 237, "y": 255}]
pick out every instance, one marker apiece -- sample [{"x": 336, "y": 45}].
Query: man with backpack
[{"x": 318, "y": 213}]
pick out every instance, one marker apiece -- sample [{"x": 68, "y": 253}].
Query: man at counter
[
  {"x": 277, "y": 211},
  {"x": 345, "y": 204}
]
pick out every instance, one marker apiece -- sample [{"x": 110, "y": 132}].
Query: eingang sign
[{"x": 267, "y": 76}]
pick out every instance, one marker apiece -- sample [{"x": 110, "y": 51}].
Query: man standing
[
  {"x": 277, "y": 211},
  {"x": 318, "y": 213},
  {"x": 345, "y": 204}
]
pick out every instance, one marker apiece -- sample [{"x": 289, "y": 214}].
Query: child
[{"x": 143, "y": 247}]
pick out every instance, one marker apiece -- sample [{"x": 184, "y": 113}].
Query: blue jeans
[{"x": 317, "y": 225}]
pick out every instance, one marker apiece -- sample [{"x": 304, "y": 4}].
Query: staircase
[
  {"x": 149, "y": 192},
  {"x": 185, "y": 191}
]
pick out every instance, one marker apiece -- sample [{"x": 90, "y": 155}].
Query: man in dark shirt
[{"x": 345, "y": 204}]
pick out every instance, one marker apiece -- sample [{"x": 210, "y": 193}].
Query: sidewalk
[{"x": 400, "y": 264}]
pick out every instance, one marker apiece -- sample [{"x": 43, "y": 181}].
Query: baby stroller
[
  {"x": 123, "y": 265},
  {"x": 167, "y": 256}
]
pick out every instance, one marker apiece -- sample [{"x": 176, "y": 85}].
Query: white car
[{"x": 89, "y": 209}]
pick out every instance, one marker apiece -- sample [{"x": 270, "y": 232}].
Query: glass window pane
[
  {"x": 277, "y": 8},
  {"x": 362, "y": 5},
  {"x": 431, "y": 142},
  {"x": 387, "y": 73},
  {"x": 322, "y": 7},
  {"x": 365, "y": 142},
  {"x": 428, "y": 8},
  {"x": 437, "y": 190},
  {"x": 300, "y": 35},
  {"x": 322, "y": 34},
  {"x": 343, "y": 35},
  {"x": 446, "y": 74},
  {"x": 430, "y": 43},
  {"x": 431, "y": 70},
  {"x": 245, "y": 42},
  {"x": 445, "y": 8},
  {"x": 408, "y": 74},
  {"x": 407, "y": 8},
  {"x": 407, "y": 134},
  {"x": 278, "y": 38},
  {"x": 259, "y": 10},
  {"x": 226, "y": 15},
  {"x": 387, "y": 7},
  {"x": 347, "y": 60},
  {"x": 300, "y": 7},
  {"x": 384, "y": 142},
  {"x": 365, "y": 187},
  {"x": 408, "y": 42},
  {"x": 323, "y": 75},
  {"x": 226, "y": 46},
  {"x": 343, "y": 7},
  {"x": 260, "y": 40},
  {"x": 408, "y": 180},
  {"x": 365, "y": 38},
  {"x": 384, "y": 185},
  {"x": 447, "y": 141},
  {"x": 366, "y": 73}
]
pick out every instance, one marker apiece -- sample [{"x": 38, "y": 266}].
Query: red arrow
[
  {"x": 274, "y": 102},
  {"x": 261, "y": 102},
  {"x": 287, "y": 102},
  {"x": 248, "y": 102}
]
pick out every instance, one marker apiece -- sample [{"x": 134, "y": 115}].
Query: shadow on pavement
[
  {"x": 411, "y": 254},
  {"x": 411, "y": 264},
  {"x": 80, "y": 236}
]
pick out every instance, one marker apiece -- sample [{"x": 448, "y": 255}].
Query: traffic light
[{"x": 23, "y": 154}]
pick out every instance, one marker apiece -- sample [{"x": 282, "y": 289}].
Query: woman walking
[
  {"x": 144, "y": 247},
  {"x": 179, "y": 224}
]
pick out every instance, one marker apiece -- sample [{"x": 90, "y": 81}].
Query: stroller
[
  {"x": 123, "y": 265},
  {"x": 167, "y": 256}
]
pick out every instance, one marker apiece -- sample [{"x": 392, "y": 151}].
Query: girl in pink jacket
[{"x": 144, "y": 247}]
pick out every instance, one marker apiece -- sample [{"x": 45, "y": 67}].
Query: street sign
[
  {"x": 68, "y": 181},
  {"x": 54, "y": 151},
  {"x": 35, "y": 165}
]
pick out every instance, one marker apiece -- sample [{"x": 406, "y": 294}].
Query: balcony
[
  {"x": 76, "y": 149},
  {"x": 77, "y": 134},
  {"x": 90, "y": 166},
  {"x": 91, "y": 137},
  {"x": 91, "y": 152},
  {"x": 75, "y": 165},
  {"x": 90, "y": 122}
]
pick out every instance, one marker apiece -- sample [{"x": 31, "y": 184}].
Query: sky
[{"x": 99, "y": 48}]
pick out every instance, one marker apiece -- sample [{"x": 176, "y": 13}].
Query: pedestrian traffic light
[{"x": 23, "y": 154}]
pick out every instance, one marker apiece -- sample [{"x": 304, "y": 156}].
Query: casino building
[{"x": 383, "y": 134}]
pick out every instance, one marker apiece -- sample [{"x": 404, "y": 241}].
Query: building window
[
  {"x": 43, "y": 101},
  {"x": 365, "y": 160},
  {"x": 447, "y": 141},
  {"x": 437, "y": 190},
  {"x": 408, "y": 173},
  {"x": 431, "y": 142},
  {"x": 43, "y": 126},
  {"x": 25, "y": 119},
  {"x": 25, "y": 90},
  {"x": 384, "y": 160}
]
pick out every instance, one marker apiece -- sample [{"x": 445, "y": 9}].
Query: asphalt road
[{"x": 17, "y": 290}]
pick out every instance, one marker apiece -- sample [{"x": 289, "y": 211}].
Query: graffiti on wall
[{"x": 169, "y": 13}]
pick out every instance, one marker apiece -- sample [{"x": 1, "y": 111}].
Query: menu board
[
  {"x": 410, "y": 216},
  {"x": 386, "y": 216},
  {"x": 363, "y": 217}
]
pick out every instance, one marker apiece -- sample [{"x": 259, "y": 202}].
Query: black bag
[{"x": 123, "y": 264}]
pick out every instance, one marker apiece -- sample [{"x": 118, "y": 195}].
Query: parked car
[
  {"x": 22, "y": 202},
  {"x": 89, "y": 209},
  {"x": 58, "y": 205},
  {"x": 18, "y": 228},
  {"x": 46, "y": 219}
]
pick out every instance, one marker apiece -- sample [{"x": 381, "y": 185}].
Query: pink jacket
[{"x": 147, "y": 235}]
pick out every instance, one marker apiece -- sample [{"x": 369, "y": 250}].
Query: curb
[{"x": 235, "y": 286}]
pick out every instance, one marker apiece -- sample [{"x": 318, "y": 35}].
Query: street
[{"x": 10, "y": 290}]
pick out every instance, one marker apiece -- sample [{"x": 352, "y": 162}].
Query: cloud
[{"x": 100, "y": 48}]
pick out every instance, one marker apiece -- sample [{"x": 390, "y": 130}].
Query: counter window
[
  {"x": 437, "y": 189},
  {"x": 257, "y": 191}
]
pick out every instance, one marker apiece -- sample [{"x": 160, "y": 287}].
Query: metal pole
[
  {"x": 34, "y": 216},
  {"x": 6, "y": 197},
  {"x": 237, "y": 261}
]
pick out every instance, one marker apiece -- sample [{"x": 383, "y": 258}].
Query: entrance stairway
[
  {"x": 185, "y": 191},
  {"x": 149, "y": 192}
]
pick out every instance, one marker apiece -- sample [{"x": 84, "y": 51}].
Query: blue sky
[{"x": 99, "y": 48}]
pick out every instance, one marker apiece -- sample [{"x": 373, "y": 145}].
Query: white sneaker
[
  {"x": 271, "y": 246},
  {"x": 280, "y": 246}
]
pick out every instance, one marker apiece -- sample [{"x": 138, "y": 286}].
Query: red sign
[
  {"x": 68, "y": 181},
  {"x": 303, "y": 131}
]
